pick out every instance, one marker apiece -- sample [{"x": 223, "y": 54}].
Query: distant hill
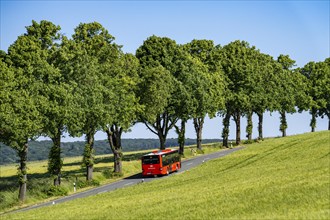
[{"x": 39, "y": 150}]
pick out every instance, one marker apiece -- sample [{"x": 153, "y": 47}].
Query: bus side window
[
  {"x": 165, "y": 160},
  {"x": 170, "y": 158}
]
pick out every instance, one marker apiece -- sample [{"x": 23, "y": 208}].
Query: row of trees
[{"x": 50, "y": 85}]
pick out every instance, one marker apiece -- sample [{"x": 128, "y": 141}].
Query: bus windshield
[{"x": 152, "y": 159}]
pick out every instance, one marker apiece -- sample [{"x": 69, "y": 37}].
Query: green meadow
[
  {"x": 40, "y": 182},
  {"x": 279, "y": 178}
]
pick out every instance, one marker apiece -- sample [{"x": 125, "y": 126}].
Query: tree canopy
[
  {"x": 205, "y": 84},
  {"x": 160, "y": 60},
  {"x": 317, "y": 77}
]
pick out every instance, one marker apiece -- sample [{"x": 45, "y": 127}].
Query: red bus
[{"x": 161, "y": 162}]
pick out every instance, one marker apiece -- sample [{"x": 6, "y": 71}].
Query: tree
[
  {"x": 20, "y": 118},
  {"x": 93, "y": 49},
  {"x": 238, "y": 68},
  {"x": 183, "y": 103},
  {"x": 216, "y": 65},
  {"x": 123, "y": 82},
  {"x": 156, "y": 88},
  {"x": 266, "y": 90},
  {"x": 325, "y": 92},
  {"x": 55, "y": 88},
  {"x": 190, "y": 79},
  {"x": 290, "y": 89},
  {"x": 317, "y": 78},
  {"x": 160, "y": 59},
  {"x": 260, "y": 90},
  {"x": 207, "y": 85}
]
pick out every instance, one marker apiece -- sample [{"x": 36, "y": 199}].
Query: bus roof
[{"x": 161, "y": 152}]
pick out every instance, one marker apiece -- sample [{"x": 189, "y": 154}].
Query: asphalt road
[{"x": 132, "y": 180}]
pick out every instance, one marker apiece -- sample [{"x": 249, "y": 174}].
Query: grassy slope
[
  {"x": 283, "y": 178},
  {"x": 39, "y": 181}
]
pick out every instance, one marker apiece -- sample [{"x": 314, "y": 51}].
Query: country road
[{"x": 132, "y": 180}]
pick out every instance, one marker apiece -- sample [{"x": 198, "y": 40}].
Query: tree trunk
[
  {"x": 329, "y": 123},
  {"x": 55, "y": 162},
  {"x": 237, "y": 119},
  {"x": 89, "y": 170},
  {"x": 249, "y": 126},
  {"x": 22, "y": 172},
  {"x": 118, "y": 168},
  {"x": 284, "y": 124},
  {"x": 89, "y": 155},
  {"x": 162, "y": 141},
  {"x": 181, "y": 135},
  {"x": 57, "y": 180},
  {"x": 198, "y": 124},
  {"x": 114, "y": 138},
  {"x": 261, "y": 118},
  {"x": 313, "y": 120},
  {"x": 225, "y": 131},
  {"x": 163, "y": 124}
]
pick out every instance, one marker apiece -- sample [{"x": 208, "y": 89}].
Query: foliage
[
  {"x": 290, "y": 90},
  {"x": 155, "y": 92},
  {"x": 261, "y": 90},
  {"x": 108, "y": 174},
  {"x": 23, "y": 94},
  {"x": 84, "y": 183},
  {"x": 88, "y": 156},
  {"x": 57, "y": 191},
  {"x": 238, "y": 64},
  {"x": 161, "y": 60},
  {"x": 123, "y": 83},
  {"x": 317, "y": 77},
  {"x": 326, "y": 92},
  {"x": 204, "y": 85},
  {"x": 96, "y": 55},
  {"x": 57, "y": 89},
  {"x": 19, "y": 115}
]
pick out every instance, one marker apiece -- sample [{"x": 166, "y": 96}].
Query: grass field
[
  {"x": 39, "y": 182},
  {"x": 281, "y": 178}
]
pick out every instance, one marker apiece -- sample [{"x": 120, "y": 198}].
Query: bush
[
  {"x": 200, "y": 151},
  {"x": 248, "y": 142},
  {"x": 84, "y": 183},
  {"x": 8, "y": 199},
  {"x": 57, "y": 191},
  {"x": 108, "y": 174}
]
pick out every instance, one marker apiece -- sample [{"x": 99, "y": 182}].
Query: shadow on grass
[
  {"x": 325, "y": 156},
  {"x": 10, "y": 183},
  {"x": 257, "y": 157},
  {"x": 73, "y": 173}
]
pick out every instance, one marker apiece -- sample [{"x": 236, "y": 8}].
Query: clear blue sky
[{"x": 297, "y": 28}]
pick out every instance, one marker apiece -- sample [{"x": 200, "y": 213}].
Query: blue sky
[{"x": 297, "y": 28}]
